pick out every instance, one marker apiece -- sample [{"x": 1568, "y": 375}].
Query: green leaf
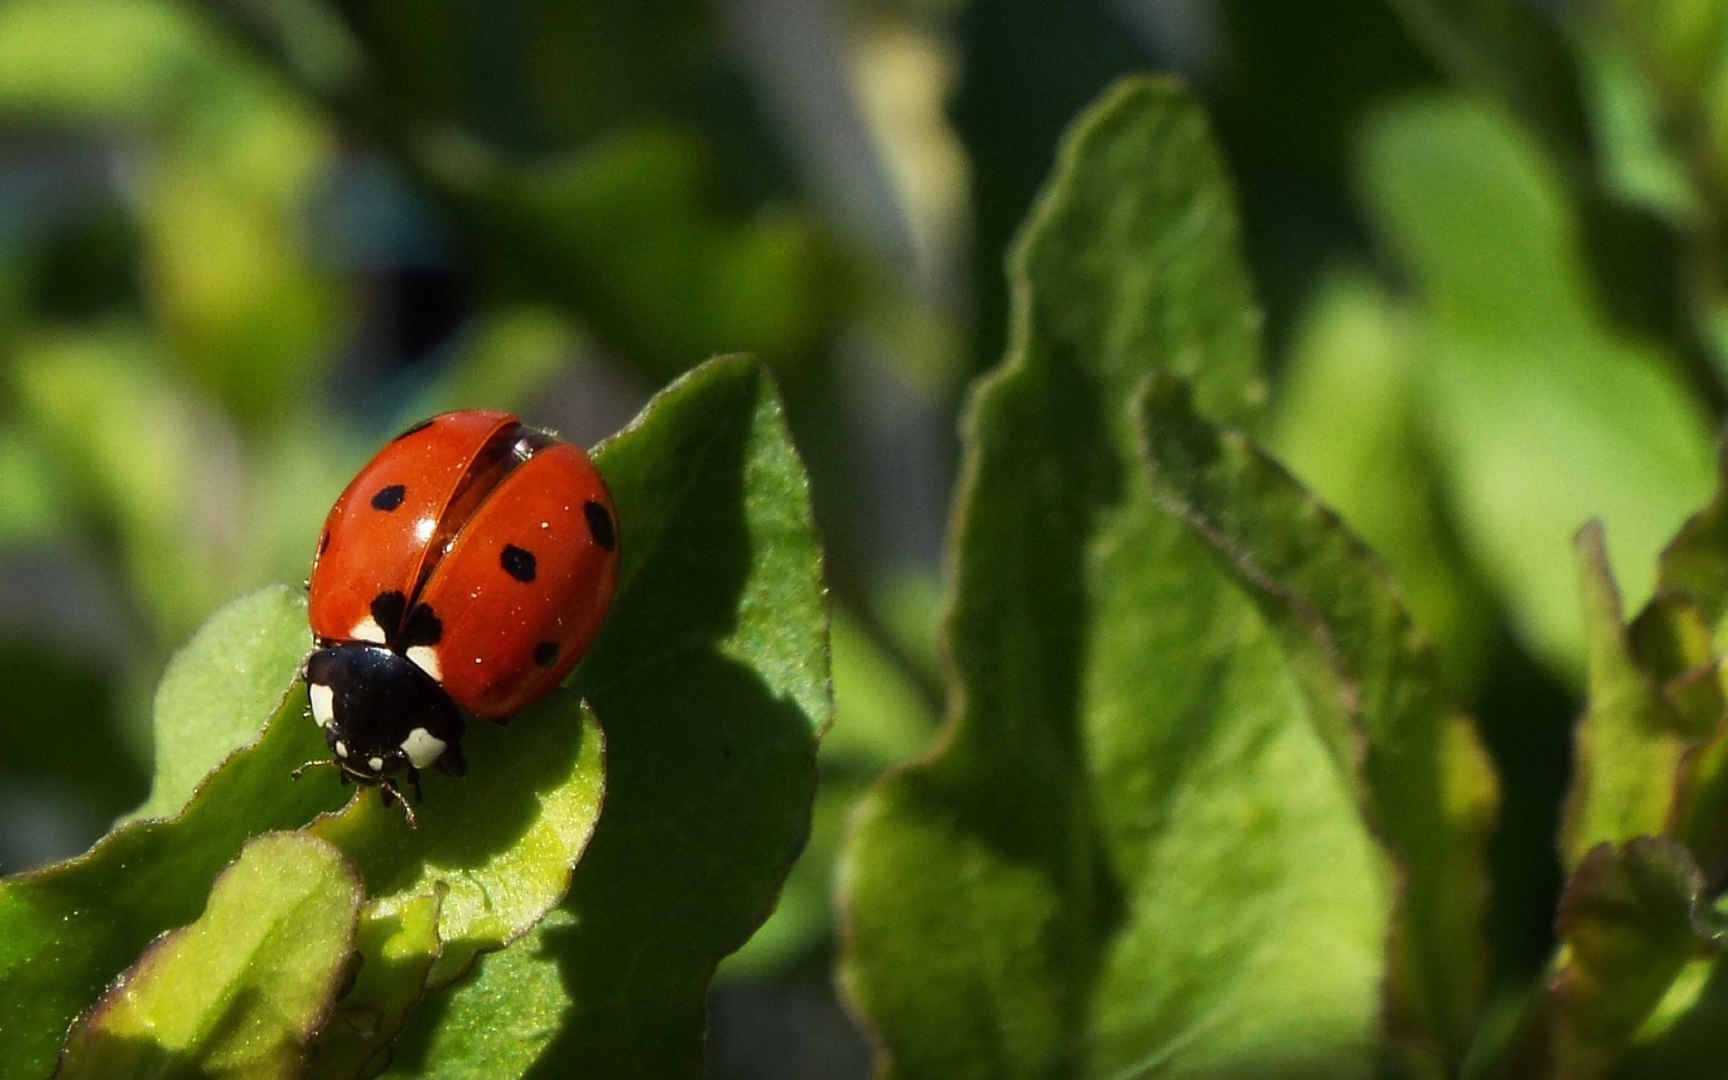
[
  {"x": 498, "y": 850},
  {"x": 148, "y": 458},
  {"x": 1629, "y": 927},
  {"x": 28, "y": 493},
  {"x": 1515, "y": 54},
  {"x": 220, "y": 207},
  {"x": 234, "y": 288},
  {"x": 1349, "y": 424},
  {"x": 715, "y": 667},
  {"x": 1682, "y": 1036},
  {"x": 1539, "y": 412},
  {"x": 879, "y": 719},
  {"x": 398, "y": 942},
  {"x": 506, "y": 355},
  {"x": 712, "y": 677},
  {"x": 1684, "y": 632},
  {"x": 241, "y": 990},
  {"x": 1373, "y": 688},
  {"x": 217, "y": 688},
  {"x": 501, "y": 843},
  {"x": 1630, "y": 743},
  {"x": 1695, "y": 562},
  {"x": 103, "y": 60},
  {"x": 595, "y": 232},
  {"x": 496, "y": 1023},
  {"x": 1129, "y": 801},
  {"x": 1638, "y": 162},
  {"x": 67, "y": 929}
]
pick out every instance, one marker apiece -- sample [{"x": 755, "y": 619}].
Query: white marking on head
[
  {"x": 376, "y": 764},
  {"x": 426, "y": 658},
  {"x": 323, "y": 703},
  {"x": 422, "y": 747},
  {"x": 367, "y": 629},
  {"x": 341, "y": 748}
]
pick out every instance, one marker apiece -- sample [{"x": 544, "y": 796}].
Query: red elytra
[{"x": 484, "y": 550}]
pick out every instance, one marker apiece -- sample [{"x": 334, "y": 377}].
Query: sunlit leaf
[
  {"x": 1129, "y": 800},
  {"x": 1539, "y": 412},
  {"x": 241, "y": 990}
]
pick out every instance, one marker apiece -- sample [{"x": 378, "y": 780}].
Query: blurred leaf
[
  {"x": 534, "y": 77},
  {"x": 1658, "y": 84},
  {"x": 1658, "y": 77},
  {"x": 222, "y": 179},
  {"x": 216, "y": 688},
  {"x": 55, "y": 795},
  {"x": 1636, "y": 160},
  {"x": 1683, "y": 1034},
  {"x": 250, "y": 319},
  {"x": 1374, "y": 692},
  {"x": 28, "y": 492},
  {"x": 879, "y": 718},
  {"x": 1513, "y": 51},
  {"x": 1681, "y": 635},
  {"x": 1128, "y": 799},
  {"x": 1349, "y": 423},
  {"x": 1628, "y": 928},
  {"x": 144, "y": 459},
  {"x": 506, "y": 355},
  {"x": 598, "y": 231},
  {"x": 712, "y": 675},
  {"x": 242, "y": 989},
  {"x": 1695, "y": 562},
  {"x": 1539, "y": 415},
  {"x": 1630, "y": 743},
  {"x": 106, "y": 61}
]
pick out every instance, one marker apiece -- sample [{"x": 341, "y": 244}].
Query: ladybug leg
[
  {"x": 414, "y": 782},
  {"x": 388, "y": 792}
]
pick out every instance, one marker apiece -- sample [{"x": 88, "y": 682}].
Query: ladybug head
[{"x": 382, "y": 716}]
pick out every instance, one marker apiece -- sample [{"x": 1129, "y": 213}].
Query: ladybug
[{"x": 466, "y": 568}]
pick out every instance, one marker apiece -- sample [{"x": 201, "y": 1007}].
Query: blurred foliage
[{"x": 241, "y": 242}]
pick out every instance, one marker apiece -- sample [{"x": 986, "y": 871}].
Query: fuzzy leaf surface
[
  {"x": 240, "y": 991},
  {"x": 1130, "y": 799},
  {"x": 712, "y": 679}
]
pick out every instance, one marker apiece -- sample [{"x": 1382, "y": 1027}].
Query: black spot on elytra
[
  {"x": 600, "y": 524},
  {"x": 387, "y": 609},
  {"x": 546, "y": 653},
  {"x": 423, "y": 628},
  {"x": 388, "y": 498},
  {"x": 517, "y": 562},
  {"x": 421, "y": 426}
]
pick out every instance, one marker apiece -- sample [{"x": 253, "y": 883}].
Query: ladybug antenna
[{"x": 316, "y": 763}]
